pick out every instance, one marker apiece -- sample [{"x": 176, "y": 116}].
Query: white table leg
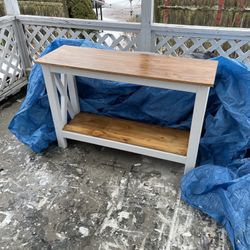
[
  {"x": 73, "y": 93},
  {"x": 196, "y": 127},
  {"x": 64, "y": 98},
  {"x": 52, "y": 92}
]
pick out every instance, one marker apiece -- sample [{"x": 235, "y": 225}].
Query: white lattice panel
[
  {"x": 11, "y": 70},
  {"x": 185, "y": 46},
  {"x": 38, "y": 37}
]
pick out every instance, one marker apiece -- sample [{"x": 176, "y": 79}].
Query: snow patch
[
  {"x": 84, "y": 231},
  {"x": 7, "y": 219},
  {"x": 123, "y": 215},
  {"x": 61, "y": 236}
]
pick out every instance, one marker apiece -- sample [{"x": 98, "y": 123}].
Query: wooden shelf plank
[
  {"x": 142, "y": 65},
  {"x": 131, "y": 132}
]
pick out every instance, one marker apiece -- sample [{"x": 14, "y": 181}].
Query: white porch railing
[
  {"x": 12, "y": 68},
  {"x": 40, "y": 31},
  {"x": 23, "y": 38}
]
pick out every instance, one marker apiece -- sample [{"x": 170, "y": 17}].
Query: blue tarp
[{"x": 220, "y": 187}]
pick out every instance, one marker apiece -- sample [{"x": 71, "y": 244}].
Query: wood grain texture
[
  {"x": 131, "y": 132},
  {"x": 155, "y": 67}
]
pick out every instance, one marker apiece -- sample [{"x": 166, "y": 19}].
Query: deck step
[{"x": 131, "y": 132}]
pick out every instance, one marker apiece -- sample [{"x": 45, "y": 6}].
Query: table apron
[{"x": 193, "y": 88}]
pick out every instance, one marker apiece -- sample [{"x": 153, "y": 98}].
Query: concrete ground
[{"x": 89, "y": 197}]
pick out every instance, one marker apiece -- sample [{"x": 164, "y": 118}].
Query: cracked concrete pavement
[{"x": 90, "y": 197}]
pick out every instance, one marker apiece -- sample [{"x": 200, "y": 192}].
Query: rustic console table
[{"x": 190, "y": 75}]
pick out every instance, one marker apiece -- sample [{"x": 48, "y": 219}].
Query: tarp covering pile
[{"x": 220, "y": 187}]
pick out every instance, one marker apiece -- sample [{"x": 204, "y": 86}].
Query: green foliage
[{"x": 81, "y": 9}]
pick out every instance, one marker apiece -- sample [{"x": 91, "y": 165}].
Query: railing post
[
  {"x": 12, "y": 8},
  {"x": 145, "y": 38}
]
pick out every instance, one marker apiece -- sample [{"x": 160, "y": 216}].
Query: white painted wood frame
[{"x": 62, "y": 106}]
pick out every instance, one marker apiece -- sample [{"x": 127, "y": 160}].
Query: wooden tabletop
[{"x": 143, "y": 65}]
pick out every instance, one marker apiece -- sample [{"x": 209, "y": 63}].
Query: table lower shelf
[{"x": 136, "y": 133}]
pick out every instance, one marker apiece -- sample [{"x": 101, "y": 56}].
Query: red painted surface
[
  {"x": 219, "y": 12},
  {"x": 166, "y": 11}
]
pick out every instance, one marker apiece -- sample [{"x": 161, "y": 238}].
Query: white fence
[
  {"x": 40, "y": 31},
  {"x": 23, "y": 38},
  {"x": 178, "y": 40},
  {"x": 12, "y": 69}
]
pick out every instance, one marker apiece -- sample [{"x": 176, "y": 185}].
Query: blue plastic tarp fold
[{"x": 220, "y": 187}]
